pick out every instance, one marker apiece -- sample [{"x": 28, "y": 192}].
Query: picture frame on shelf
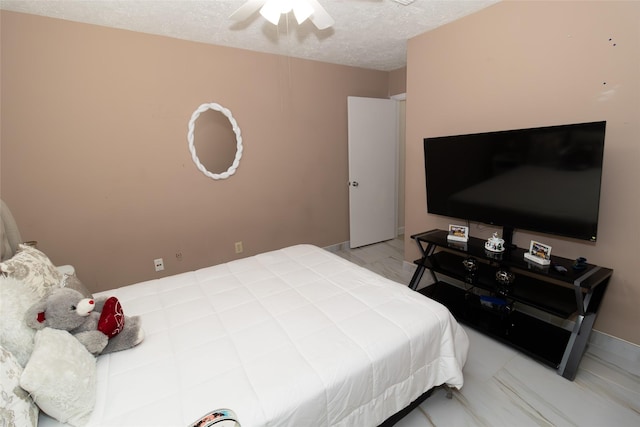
[
  {"x": 458, "y": 233},
  {"x": 539, "y": 253}
]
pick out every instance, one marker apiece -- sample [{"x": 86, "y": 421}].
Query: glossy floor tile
[{"x": 506, "y": 388}]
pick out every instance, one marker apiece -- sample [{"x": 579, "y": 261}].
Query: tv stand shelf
[{"x": 525, "y": 316}]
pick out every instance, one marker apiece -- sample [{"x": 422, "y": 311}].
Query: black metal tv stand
[{"x": 528, "y": 313}]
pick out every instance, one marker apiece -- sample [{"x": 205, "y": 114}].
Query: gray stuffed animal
[{"x": 100, "y": 325}]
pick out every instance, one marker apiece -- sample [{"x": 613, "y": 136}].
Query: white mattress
[{"x": 294, "y": 337}]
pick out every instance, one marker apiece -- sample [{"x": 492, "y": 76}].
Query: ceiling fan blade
[
  {"x": 247, "y": 9},
  {"x": 320, "y": 17}
]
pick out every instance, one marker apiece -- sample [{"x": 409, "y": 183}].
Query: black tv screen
[{"x": 544, "y": 179}]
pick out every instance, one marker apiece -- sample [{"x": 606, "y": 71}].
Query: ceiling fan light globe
[
  {"x": 320, "y": 18},
  {"x": 302, "y": 10},
  {"x": 271, "y": 11}
]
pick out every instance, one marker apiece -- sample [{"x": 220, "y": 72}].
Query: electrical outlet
[
  {"x": 239, "y": 248},
  {"x": 179, "y": 255},
  {"x": 159, "y": 264}
]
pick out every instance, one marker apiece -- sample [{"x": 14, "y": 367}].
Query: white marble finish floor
[{"x": 506, "y": 388}]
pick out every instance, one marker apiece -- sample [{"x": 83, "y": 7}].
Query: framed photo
[
  {"x": 458, "y": 233},
  {"x": 539, "y": 252}
]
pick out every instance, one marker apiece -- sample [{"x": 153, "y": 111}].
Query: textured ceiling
[{"x": 370, "y": 34}]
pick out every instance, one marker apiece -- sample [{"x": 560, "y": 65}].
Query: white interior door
[{"x": 373, "y": 142}]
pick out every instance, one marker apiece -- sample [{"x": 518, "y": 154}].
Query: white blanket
[{"x": 294, "y": 337}]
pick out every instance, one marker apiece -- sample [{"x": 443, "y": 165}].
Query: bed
[{"x": 293, "y": 337}]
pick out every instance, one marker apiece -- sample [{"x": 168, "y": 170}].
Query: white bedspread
[{"x": 296, "y": 337}]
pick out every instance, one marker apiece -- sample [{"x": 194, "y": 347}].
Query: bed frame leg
[{"x": 448, "y": 390}]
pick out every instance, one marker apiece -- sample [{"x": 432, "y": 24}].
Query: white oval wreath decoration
[{"x": 236, "y": 130}]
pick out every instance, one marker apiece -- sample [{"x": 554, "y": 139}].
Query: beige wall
[
  {"x": 526, "y": 64},
  {"x": 94, "y": 158},
  {"x": 398, "y": 81}
]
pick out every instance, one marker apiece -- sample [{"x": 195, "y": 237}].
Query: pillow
[
  {"x": 33, "y": 268},
  {"x": 71, "y": 281},
  {"x": 61, "y": 377},
  {"x": 15, "y": 335},
  {"x": 18, "y": 408}
]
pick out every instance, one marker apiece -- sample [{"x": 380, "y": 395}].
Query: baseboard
[
  {"x": 347, "y": 245},
  {"x": 604, "y": 345},
  {"x": 338, "y": 247},
  {"x": 408, "y": 265}
]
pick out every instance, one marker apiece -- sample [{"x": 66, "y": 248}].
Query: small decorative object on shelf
[
  {"x": 494, "y": 244},
  {"x": 458, "y": 233},
  {"x": 579, "y": 264},
  {"x": 539, "y": 253},
  {"x": 471, "y": 266},
  {"x": 505, "y": 280},
  {"x": 496, "y": 304}
]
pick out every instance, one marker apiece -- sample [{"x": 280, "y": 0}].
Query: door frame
[{"x": 400, "y": 167}]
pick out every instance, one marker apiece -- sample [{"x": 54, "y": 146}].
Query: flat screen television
[{"x": 544, "y": 179}]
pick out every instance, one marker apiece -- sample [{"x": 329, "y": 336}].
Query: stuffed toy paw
[{"x": 100, "y": 325}]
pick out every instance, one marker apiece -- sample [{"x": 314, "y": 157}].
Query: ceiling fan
[{"x": 272, "y": 10}]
